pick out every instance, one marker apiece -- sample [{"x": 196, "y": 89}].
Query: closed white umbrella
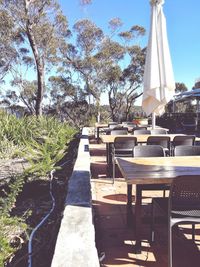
[{"x": 159, "y": 84}]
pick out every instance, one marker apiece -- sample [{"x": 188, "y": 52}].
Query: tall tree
[
  {"x": 43, "y": 28},
  {"x": 80, "y": 58},
  {"x": 122, "y": 80},
  {"x": 7, "y": 50}
]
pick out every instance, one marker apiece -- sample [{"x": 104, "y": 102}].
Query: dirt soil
[{"x": 35, "y": 198}]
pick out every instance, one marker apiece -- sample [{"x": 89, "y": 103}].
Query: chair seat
[
  {"x": 184, "y": 213},
  {"x": 155, "y": 187},
  {"x": 123, "y": 152},
  {"x": 182, "y": 206}
]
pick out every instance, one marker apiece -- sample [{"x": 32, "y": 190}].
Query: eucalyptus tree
[
  {"x": 132, "y": 78},
  {"x": 122, "y": 68},
  {"x": 24, "y": 97},
  {"x": 80, "y": 57},
  {"x": 43, "y": 29},
  {"x": 180, "y": 87},
  {"x": 68, "y": 101},
  {"x": 7, "y": 36}
]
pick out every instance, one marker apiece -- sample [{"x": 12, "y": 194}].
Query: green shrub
[
  {"x": 10, "y": 229},
  {"x": 43, "y": 142}
]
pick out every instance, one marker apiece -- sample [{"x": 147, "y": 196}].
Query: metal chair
[
  {"x": 186, "y": 140},
  {"x": 151, "y": 151},
  {"x": 158, "y": 131},
  {"x": 122, "y": 147},
  {"x": 141, "y": 131},
  {"x": 148, "y": 151},
  {"x": 129, "y": 123},
  {"x": 113, "y": 126},
  {"x": 182, "y": 206},
  {"x": 163, "y": 141},
  {"x": 119, "y": 131},
  {"x": 187, "y": 151},
  {"x": 162, "y": 203}
]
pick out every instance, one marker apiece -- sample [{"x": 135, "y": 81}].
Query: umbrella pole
[{"x": 153, "y": 120}]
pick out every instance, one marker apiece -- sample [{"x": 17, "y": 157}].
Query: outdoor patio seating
[
  {"x": 187, "y": 151},
  {"x": 141, "y": 131},
  {"x": 113, "y": 126},
  {"x": 161, "y": 202},
  {"x": 122, "y": 147},
  {"x": 119, "y": 131},
  {"x": 158, "y": 131},
  {"x": 163, "y": 141},
  {"x": 151, "y": 151},
  {"x": 148, "y": 151},
  {"x": 182, "y": 206},
  {"x": 186, "y": 140},
  {"x": 112, "y": 123}
]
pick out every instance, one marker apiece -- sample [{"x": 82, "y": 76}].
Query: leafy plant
[
  {"x": 10, "y": 229},
  {"x": 43, "y": 141}
]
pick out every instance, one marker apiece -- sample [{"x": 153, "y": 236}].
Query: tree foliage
[
  {"x": 85, "y": 66},
  {"x": 42, "y": 28},
  {"x": 180, "y": 88}
]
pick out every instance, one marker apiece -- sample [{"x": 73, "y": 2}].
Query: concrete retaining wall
[{"x": 75, "y": 246}]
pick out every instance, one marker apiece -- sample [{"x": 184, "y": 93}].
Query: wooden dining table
[
  {"x": 99, "y": 126},
  {"x": 142, "y": 138},
  {"x": 105, "y": 128},
  {"x": 151, "y": 170}
]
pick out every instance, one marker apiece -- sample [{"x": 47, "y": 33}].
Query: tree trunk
[
  {"x": 98, "y": 110},
  {"x": 39, "y": 62},
  {"x": 40, "y": 91}
]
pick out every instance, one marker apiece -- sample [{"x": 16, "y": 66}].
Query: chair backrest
[
  {"x": 158, "y": 131},
  {"x": 119, "y": 131},
  {"x": 112, "y": 123},
  {"x": 121, "y": 142},
  {"x": 141, "y": 131},
  {"x": 148, "y": 151},
  {"x": 128, "y": 123},
  {"x": 185, "y": 195},
  {"x": 187, "y": 151},
  {"x": 186, "y": 140},
  {"x": 113, "y": 126},
  {"x": 163, "y": 141}
]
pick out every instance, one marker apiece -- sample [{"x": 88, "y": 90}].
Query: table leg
[
  {"x": 98, "y": 139},
  {"x": 109, "y": 158},
  {"x": 129, "y": 211},
  {"x": 138, "y": 220},
  {"x": 107, "y": 153}
]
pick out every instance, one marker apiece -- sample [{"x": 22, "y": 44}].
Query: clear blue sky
[{"x": 183, "y": 27}]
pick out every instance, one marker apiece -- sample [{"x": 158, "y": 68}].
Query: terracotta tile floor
[{"x": 116, "y": 240}]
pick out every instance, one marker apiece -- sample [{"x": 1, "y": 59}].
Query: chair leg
[
  {"x": 164, "y": 193},
  {"x": 152, "y": 222},
  {"x": 193, "y": 232},
  {"x": 113, "y": 172},
  {"x": 169, "y": 244}
]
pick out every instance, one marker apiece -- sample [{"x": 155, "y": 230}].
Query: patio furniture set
[{"x": 157, "y": 161}]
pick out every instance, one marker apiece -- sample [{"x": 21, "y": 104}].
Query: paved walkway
[{"x": 115, "y": 240}]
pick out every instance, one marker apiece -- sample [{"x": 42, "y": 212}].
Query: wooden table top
[
  {"x": 149, "y": 127},
  {"x": 157, "y": 170},
  {"x": 142, "y": 138}
]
